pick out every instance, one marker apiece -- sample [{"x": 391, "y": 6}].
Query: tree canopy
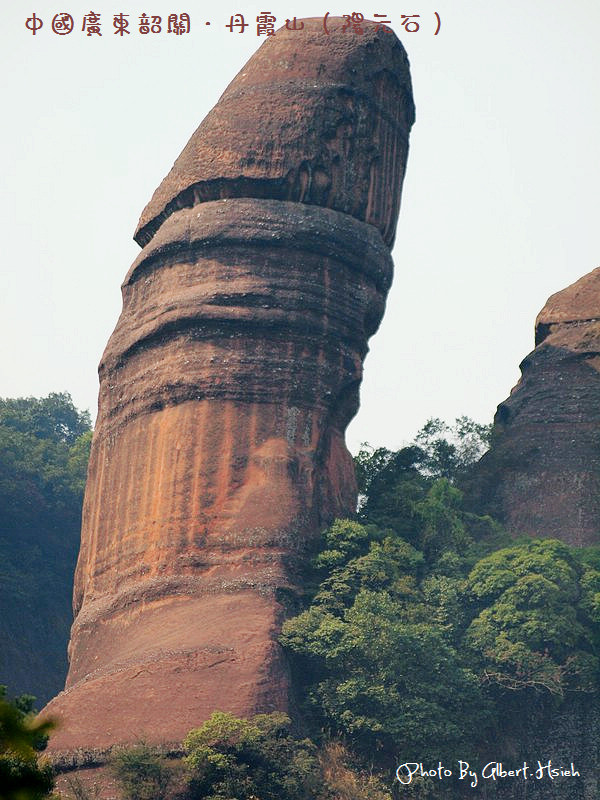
[
  {"x": 44, "y": 448},
  {"x": 427, "y": 630}
]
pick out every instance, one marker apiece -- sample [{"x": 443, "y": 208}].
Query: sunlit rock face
[
  {"x": 542, "y": 474},
  {"x": 228, "y": 383}
]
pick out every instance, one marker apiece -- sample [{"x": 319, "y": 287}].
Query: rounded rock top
[{"x": 313, "y": 117}]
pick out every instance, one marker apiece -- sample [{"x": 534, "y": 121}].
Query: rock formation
[
  {"x": 542, "y": 475},
  {"x": 227, "y": 385}
]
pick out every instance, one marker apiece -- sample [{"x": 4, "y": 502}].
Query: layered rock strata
[
  {"x": 542, "y": 475},
  {"x": 227, "y": 385}
]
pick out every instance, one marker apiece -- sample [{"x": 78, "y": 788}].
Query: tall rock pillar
[{"x": 228, "y": 383}]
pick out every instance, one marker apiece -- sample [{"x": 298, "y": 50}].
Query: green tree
[
  {"x": 450, "y": 450},
  {"x": 439, "y": 450},
  {"x": 537, "y": 621},
  {"x": 445, "y": 643},
  {"x": 390, "y": 488},
  {"x": 44, "y": 447},
  {"x": 53, "y": 418},
  {"x": 377, "y": 648},
  {"x": 256, "y": 758}
]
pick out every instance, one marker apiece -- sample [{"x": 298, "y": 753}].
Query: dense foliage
[
  {"x": 428, "y": 633},
  {"x": 537, "y": 621},
  {"x": 22, "y": 777},
  {"x": 44, "y": 447},
  {"x": 231, "y": 757},
  {"x": 439, "y": 450}
]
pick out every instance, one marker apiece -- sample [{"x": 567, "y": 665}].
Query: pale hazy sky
[{"x": 499, "y": 204}]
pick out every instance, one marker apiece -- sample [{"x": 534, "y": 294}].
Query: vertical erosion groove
[{"x": 227, "y": 385}]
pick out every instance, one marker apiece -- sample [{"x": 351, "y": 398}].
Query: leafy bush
[
  {"x": 141, "y": 772},
  {"x": 22, "y": 777},
  {"x": 256, "y": 758},
  {"x": 432, "y": 636}
]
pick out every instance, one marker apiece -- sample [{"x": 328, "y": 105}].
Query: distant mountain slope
[{"x": 44, "y": 448}]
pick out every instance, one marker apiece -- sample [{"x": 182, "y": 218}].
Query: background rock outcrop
[
  {"x": 542, "y": 474},
  {"x": 227, "y": 385}
]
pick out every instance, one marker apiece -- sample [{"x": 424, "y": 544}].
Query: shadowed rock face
[
  {"x": 228, "y": 383},
  {"x": 542, "y": 475}
]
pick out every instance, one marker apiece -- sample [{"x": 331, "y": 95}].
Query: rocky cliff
[
  {"x": 542, "y": 474},
  {"x": 227, "y": 385}
]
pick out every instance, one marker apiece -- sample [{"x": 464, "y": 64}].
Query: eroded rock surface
[
  {"x": 311, "y": 118},
  {"x": 542, "y": 475},
  {"x": 228, "y": 383}
]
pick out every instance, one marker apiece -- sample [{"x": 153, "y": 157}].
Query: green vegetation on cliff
[
  {"x": 425, "y": 634},
  {"x": 228, "y": 758},
  {"x": 429, "y": 635},
  {"x": 44, "y": 448}
]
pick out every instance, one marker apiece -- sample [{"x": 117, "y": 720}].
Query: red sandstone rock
[
  {"x": 310, "y": 118},
  {"x": 542, "y": 476},
  {"x": 227, "y": 385}
]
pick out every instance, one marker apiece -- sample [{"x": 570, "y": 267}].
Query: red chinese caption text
[{"x": 91, "y": 24}]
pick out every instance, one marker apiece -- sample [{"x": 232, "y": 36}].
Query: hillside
[{"x": 44, "y": 446}]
